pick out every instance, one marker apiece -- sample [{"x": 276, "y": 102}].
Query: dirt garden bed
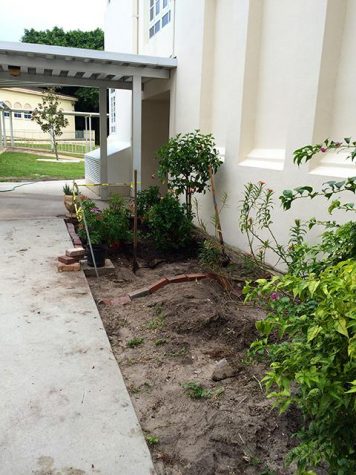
[{"x": 176, "y": 336}]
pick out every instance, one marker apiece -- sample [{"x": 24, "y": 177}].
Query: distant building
[{"x": 22, "y": 102}]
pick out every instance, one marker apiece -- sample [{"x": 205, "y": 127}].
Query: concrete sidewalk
[
  {"x": 42, "y": 199},
  {"x": 64, "y": 405}
]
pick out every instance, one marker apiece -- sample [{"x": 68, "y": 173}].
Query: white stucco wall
[{"x": 265, "y": 77}]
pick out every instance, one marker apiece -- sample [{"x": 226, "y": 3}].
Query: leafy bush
[
  {"x": 116, "y": 220},
  {"x": 105, "y": 227},
  {"x": 169, "y": 227},
  {"x": 186, "y": 160},
  {"x": 330, "y": 188},
  {"x": 146, "y": 199},
  {"x": 337, "y": 242},
  {"x": 312, "y": 322}
]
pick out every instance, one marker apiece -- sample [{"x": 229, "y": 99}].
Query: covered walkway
[{"x": 29, "y": 65}]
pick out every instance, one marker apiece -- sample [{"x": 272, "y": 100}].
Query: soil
[{"x": 186, "y": 328}]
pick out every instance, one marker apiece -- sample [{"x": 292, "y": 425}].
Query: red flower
[{"x": 323, "y": 149}]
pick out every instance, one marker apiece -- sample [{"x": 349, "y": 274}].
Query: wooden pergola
[{"x": 32, "y": 65}]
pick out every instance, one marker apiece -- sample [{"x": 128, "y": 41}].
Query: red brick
[
  {"x": 123, "y": 300},
  {"x": 68, "y": 268},
  {"x": 104, "y": 301},
  {"x": 177, "y": 278},
  {"x": 67, "y": 260},
  {"x": 75, "y": 252},
  {"x": 138, "y": 293},
  {"x": 197, "y": 276},
  {"x": 70, "y": 227},
  {"x": 158, "y": 285}
]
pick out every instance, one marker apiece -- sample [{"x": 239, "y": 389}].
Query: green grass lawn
[{"x": 25, "y": 166}]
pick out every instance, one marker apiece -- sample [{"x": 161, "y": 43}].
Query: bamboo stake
[
  {"x": 76, "y": 194},
  {"x": 217, "y": 216}
]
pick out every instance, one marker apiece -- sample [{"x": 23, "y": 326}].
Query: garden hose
[{"x": 17, "y": 186}]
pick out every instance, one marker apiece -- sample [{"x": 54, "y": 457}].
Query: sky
[{"x": 16, "y": 15}]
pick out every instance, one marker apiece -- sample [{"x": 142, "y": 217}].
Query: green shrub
[
  {"x": 337, "y": 242},
  {"x": 309, "y": 335},
  {"x": 186, "y": 159},
  {"x": 116, "y": 221},
  {"x": 146, "y": 199},
  {"x": 105, "y": 227},
  {"x": 169, "y": 227}
]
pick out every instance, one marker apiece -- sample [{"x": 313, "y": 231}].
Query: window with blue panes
[{"x": 159, "y": 16}]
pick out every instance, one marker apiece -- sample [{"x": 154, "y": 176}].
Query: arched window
[
  {"x": 6, "y": 113},
  {"x": 28, "y": 113},
  {"x": 17, "y": 115}
]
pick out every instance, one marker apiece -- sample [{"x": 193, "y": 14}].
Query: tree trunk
[{"x": 55, "y": 147}]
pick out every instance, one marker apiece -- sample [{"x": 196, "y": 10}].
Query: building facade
[
  {"x": 265, "y": 77},
  {"x": 23, "y": 102}
]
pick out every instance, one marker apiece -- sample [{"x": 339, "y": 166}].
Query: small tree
[
  {"x": 186, "y": 159},
  {"x": 50, "y": 117}
]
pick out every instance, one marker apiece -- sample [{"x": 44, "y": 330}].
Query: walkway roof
[{"x": 26, "y": 65}]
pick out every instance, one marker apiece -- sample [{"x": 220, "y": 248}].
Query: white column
[
  {"x": 103, "y": 142},
  {"x": 4, "y": 128},
  {"x": 1, "y": 135},
  {"x": 90, "y": 138},
  {"x": 85, "y": 134},
  {"x": 137, "y": 126},
  {"x": 11, "y": 130}
]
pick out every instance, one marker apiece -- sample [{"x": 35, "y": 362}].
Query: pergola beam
[
  {"x": 79, "y": 66},
  {"x": 32, "y": 80},
  {"x": 85, "y": 55}
]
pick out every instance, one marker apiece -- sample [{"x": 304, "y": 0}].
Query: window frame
[
  {"x": 113, "y": 125},
  {"x": 157, "y": 10}
]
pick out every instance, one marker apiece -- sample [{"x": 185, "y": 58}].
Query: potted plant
[{"x": 68, "y": 199}]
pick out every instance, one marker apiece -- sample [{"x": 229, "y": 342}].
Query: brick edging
[
  {"x": 159, "y": 284},
  {"x": 73, "y": 235}
]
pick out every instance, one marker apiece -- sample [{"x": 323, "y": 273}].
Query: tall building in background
[{"x": 265, "y": 77}]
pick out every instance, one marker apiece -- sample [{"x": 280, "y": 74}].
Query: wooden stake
[{"x": 217, "y": 216}]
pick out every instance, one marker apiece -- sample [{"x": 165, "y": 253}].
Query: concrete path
[
  {"x": 41, "y": 199},
  {"x": 64, "y": 406}
]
